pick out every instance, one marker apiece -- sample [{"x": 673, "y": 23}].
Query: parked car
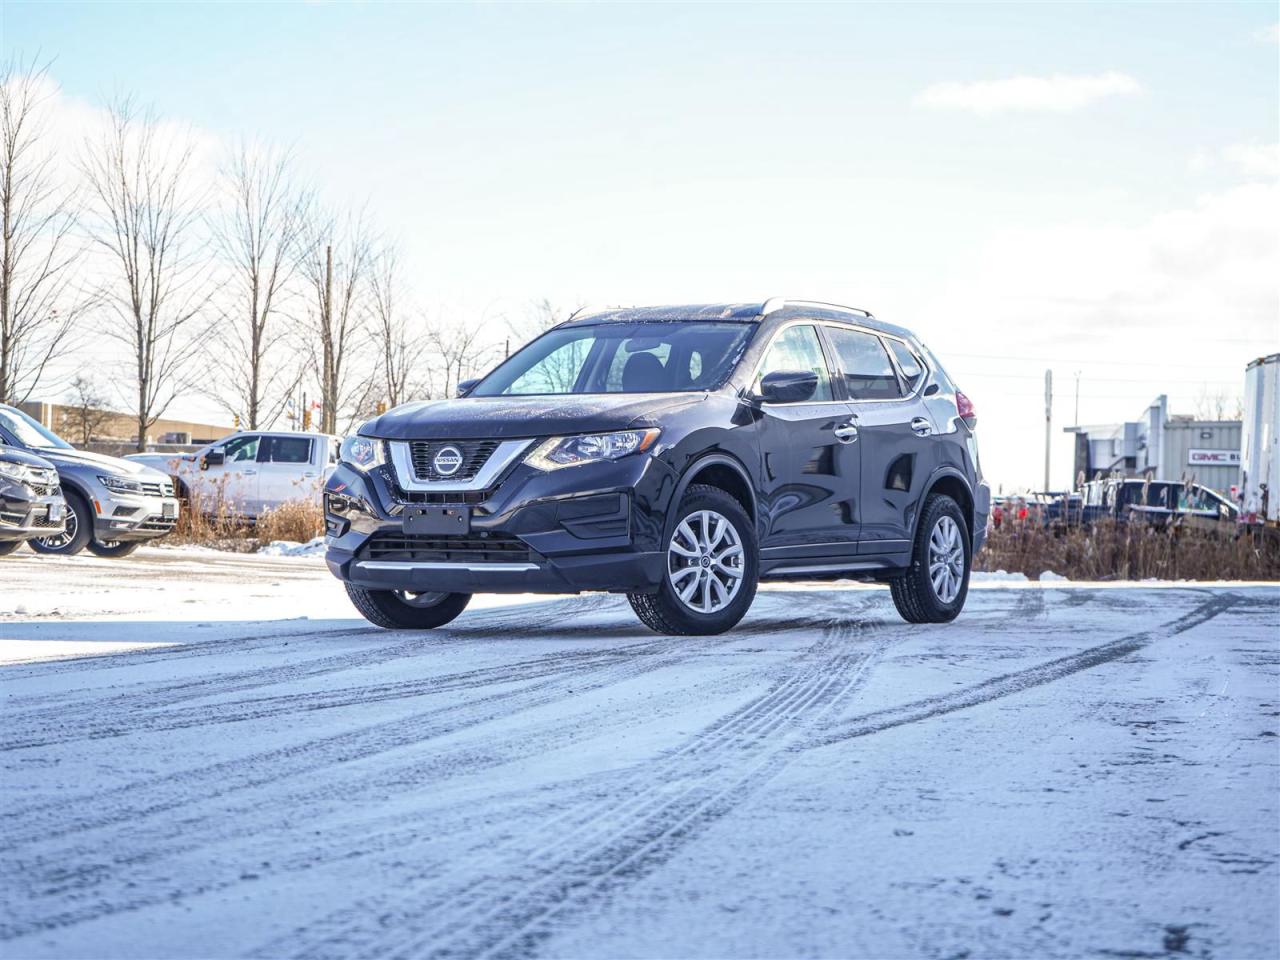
[
  {"x": 113, "y": 506},
  {"x": 1155, "y": 501},
  {"x": 252, "y": 470},
  {"x": 31, "y": 503},
  {"x": 675, "y": 454}
]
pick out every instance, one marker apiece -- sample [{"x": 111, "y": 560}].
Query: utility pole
[
  {"x": 1048, "y": 424},
  {"x": 1076, "y": 421}
]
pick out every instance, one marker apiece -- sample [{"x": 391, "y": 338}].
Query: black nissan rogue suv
[{"x": 675, "y": 454}]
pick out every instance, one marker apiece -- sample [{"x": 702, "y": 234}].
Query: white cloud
[
  {"x": 1250, "y": 160},
  {"x": 1060, "y": 93},
  {"x": 1254, "y": 159},
  {"x": 1268, "y": 34}
]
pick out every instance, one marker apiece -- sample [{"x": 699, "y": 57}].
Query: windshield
[
  {"x": 28, "y": 432},
  {"x": 650, "y": 357}
]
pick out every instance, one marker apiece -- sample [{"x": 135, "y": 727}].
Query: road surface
[{"x": 222, "y": 761}]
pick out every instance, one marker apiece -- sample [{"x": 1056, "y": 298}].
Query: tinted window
[
  {"x": 286, "y": 450},
  {"x": 647, "y": 357},
  {"x": 797, "y": 348},
  {"x": 868, "y": 374},
  {"x": 910, "y": 365}
]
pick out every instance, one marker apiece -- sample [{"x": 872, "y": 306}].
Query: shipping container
[{"x": 1260, "y": 460}]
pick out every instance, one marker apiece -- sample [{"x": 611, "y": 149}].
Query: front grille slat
[
  {"x": 475, "y": 454},
  {"x": 463, "y": 548}
]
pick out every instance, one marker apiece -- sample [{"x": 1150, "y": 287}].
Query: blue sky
[{"x": 657, "y": 153}]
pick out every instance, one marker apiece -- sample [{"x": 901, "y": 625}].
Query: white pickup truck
[{"x": 252, "y": 470}]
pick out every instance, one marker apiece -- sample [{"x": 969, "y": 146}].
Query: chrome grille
[
  {"x": 153, "y": 488},
  {"x": 475, "y": 453}
]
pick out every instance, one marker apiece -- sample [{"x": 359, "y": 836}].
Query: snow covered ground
[{"x": 240, "y": 767}]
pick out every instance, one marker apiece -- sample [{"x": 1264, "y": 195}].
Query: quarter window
[
  {"x": 868, "y": 374},
  {"x": 798, "y": 348},
  {"x": 910, "y": 365}
]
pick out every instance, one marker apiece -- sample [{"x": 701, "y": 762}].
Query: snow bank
[
  {"x": 997, "y": 575},
  {"x": 290, "y": 548}
]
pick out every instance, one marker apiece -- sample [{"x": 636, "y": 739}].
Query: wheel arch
[
  {"x": 955, "y": 485},
  {"x": 724, "y": 472}
]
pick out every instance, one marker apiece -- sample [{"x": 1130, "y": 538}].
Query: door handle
[
  {"x": 248, "y": 473},
  {"x": 921, "y": 427},
  {"x": 846, "y": 433}
]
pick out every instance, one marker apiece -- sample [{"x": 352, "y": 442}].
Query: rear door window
[
  {"x": 864, "y": 364},
  {"x": 285, "y": 450}
]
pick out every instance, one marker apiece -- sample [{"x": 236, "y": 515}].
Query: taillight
[{"x": 964, "y": 406}]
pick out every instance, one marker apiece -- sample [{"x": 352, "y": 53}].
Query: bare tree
[
  {"x": 401, "y": 354},
  {"x": 1219, "y": 405},
  {"x": 147, "y": 224},
  {"x": 335, "y": 264},
  {"x": 257, "y": 230},
  {"x": 40, "y": 299},
  {"x": 462, "y": 351},
  {"x": 86, "y": 410}
]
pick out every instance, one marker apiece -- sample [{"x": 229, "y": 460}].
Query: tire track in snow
[
  {"x": 142, "y": 709},
  {"x": 132, "y": 803},
  {"x": 661, "y": 804},
  {"x": 1019, "y": 680},
  {"x": 46, "y": 874},
  {"x": 510, "y": 913}
]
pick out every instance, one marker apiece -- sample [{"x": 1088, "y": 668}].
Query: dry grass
[
  {"x": 213, "y": 520},
  {"x": 1133, "y": 551}
]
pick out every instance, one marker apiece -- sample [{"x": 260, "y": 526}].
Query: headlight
[
  {"x": 569, "y": 451},
  {"x": 16, "y": 470},
  {"x": 363, "y": 453},
  {"x": 120, "y": 484}
]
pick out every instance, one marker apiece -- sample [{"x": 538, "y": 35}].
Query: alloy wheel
[
  {"x": 705, "y": 561},
  {"x": 946, "y": 559},
  {"x": 67, "y": 535}
]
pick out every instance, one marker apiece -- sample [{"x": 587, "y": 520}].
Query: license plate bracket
[
  {"x": 57, "y": 511},
  {"x": 169, "y": 511},
  {"x": 437, "y": 520}
]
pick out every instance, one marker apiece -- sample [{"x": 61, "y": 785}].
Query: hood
[
  {"x": 517, "y": 417},
  {"x": 14, "y": 455},
  {"x": 108, "y": 465}
]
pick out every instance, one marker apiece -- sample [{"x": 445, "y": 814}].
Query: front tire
[
  {"x": 400, "y": 610},
  {"x": 8, "y": 546},
  {"x": 113, "y": 550},
  {"x": 78, "y": 532},
  {"x": 933, "y": 589},
  {"x": 712, "y": 566}
]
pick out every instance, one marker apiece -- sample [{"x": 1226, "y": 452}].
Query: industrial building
[{"x": 1162, "y": 446}]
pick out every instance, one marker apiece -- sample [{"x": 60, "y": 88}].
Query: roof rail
[{"x": 774, "y": 304}]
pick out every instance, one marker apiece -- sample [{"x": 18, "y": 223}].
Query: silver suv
[
  {"x": 113, "y": 505},
  {"x": 31, "y": 503}
]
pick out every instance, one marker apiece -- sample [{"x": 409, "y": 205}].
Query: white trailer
[{"x": 1260, "y": 459}]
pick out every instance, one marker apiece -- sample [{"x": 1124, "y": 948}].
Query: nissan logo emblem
[{"x": 447, "y": 461}]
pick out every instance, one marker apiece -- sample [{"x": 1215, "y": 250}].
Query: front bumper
[
  {"x": 584, "y": 528},
  {"x": 128, "y": 517},
  {"x": 24, "y": 515}
]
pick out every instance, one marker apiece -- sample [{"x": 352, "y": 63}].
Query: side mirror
[
  {"x": 214, "y": 458},
  {"x": 466, "y": 386},
  {"x": 788, "y": 386}
]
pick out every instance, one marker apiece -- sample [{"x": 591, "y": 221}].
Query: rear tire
[
  {"x": 396, "y": 610},
  {"x": 728, "y": 553},
  {"x": 8, "y": 546},
  {"x": 115, "y": 550},
  {"x": 942, "y": 541},
  {"x": 78, "y": 533}
]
